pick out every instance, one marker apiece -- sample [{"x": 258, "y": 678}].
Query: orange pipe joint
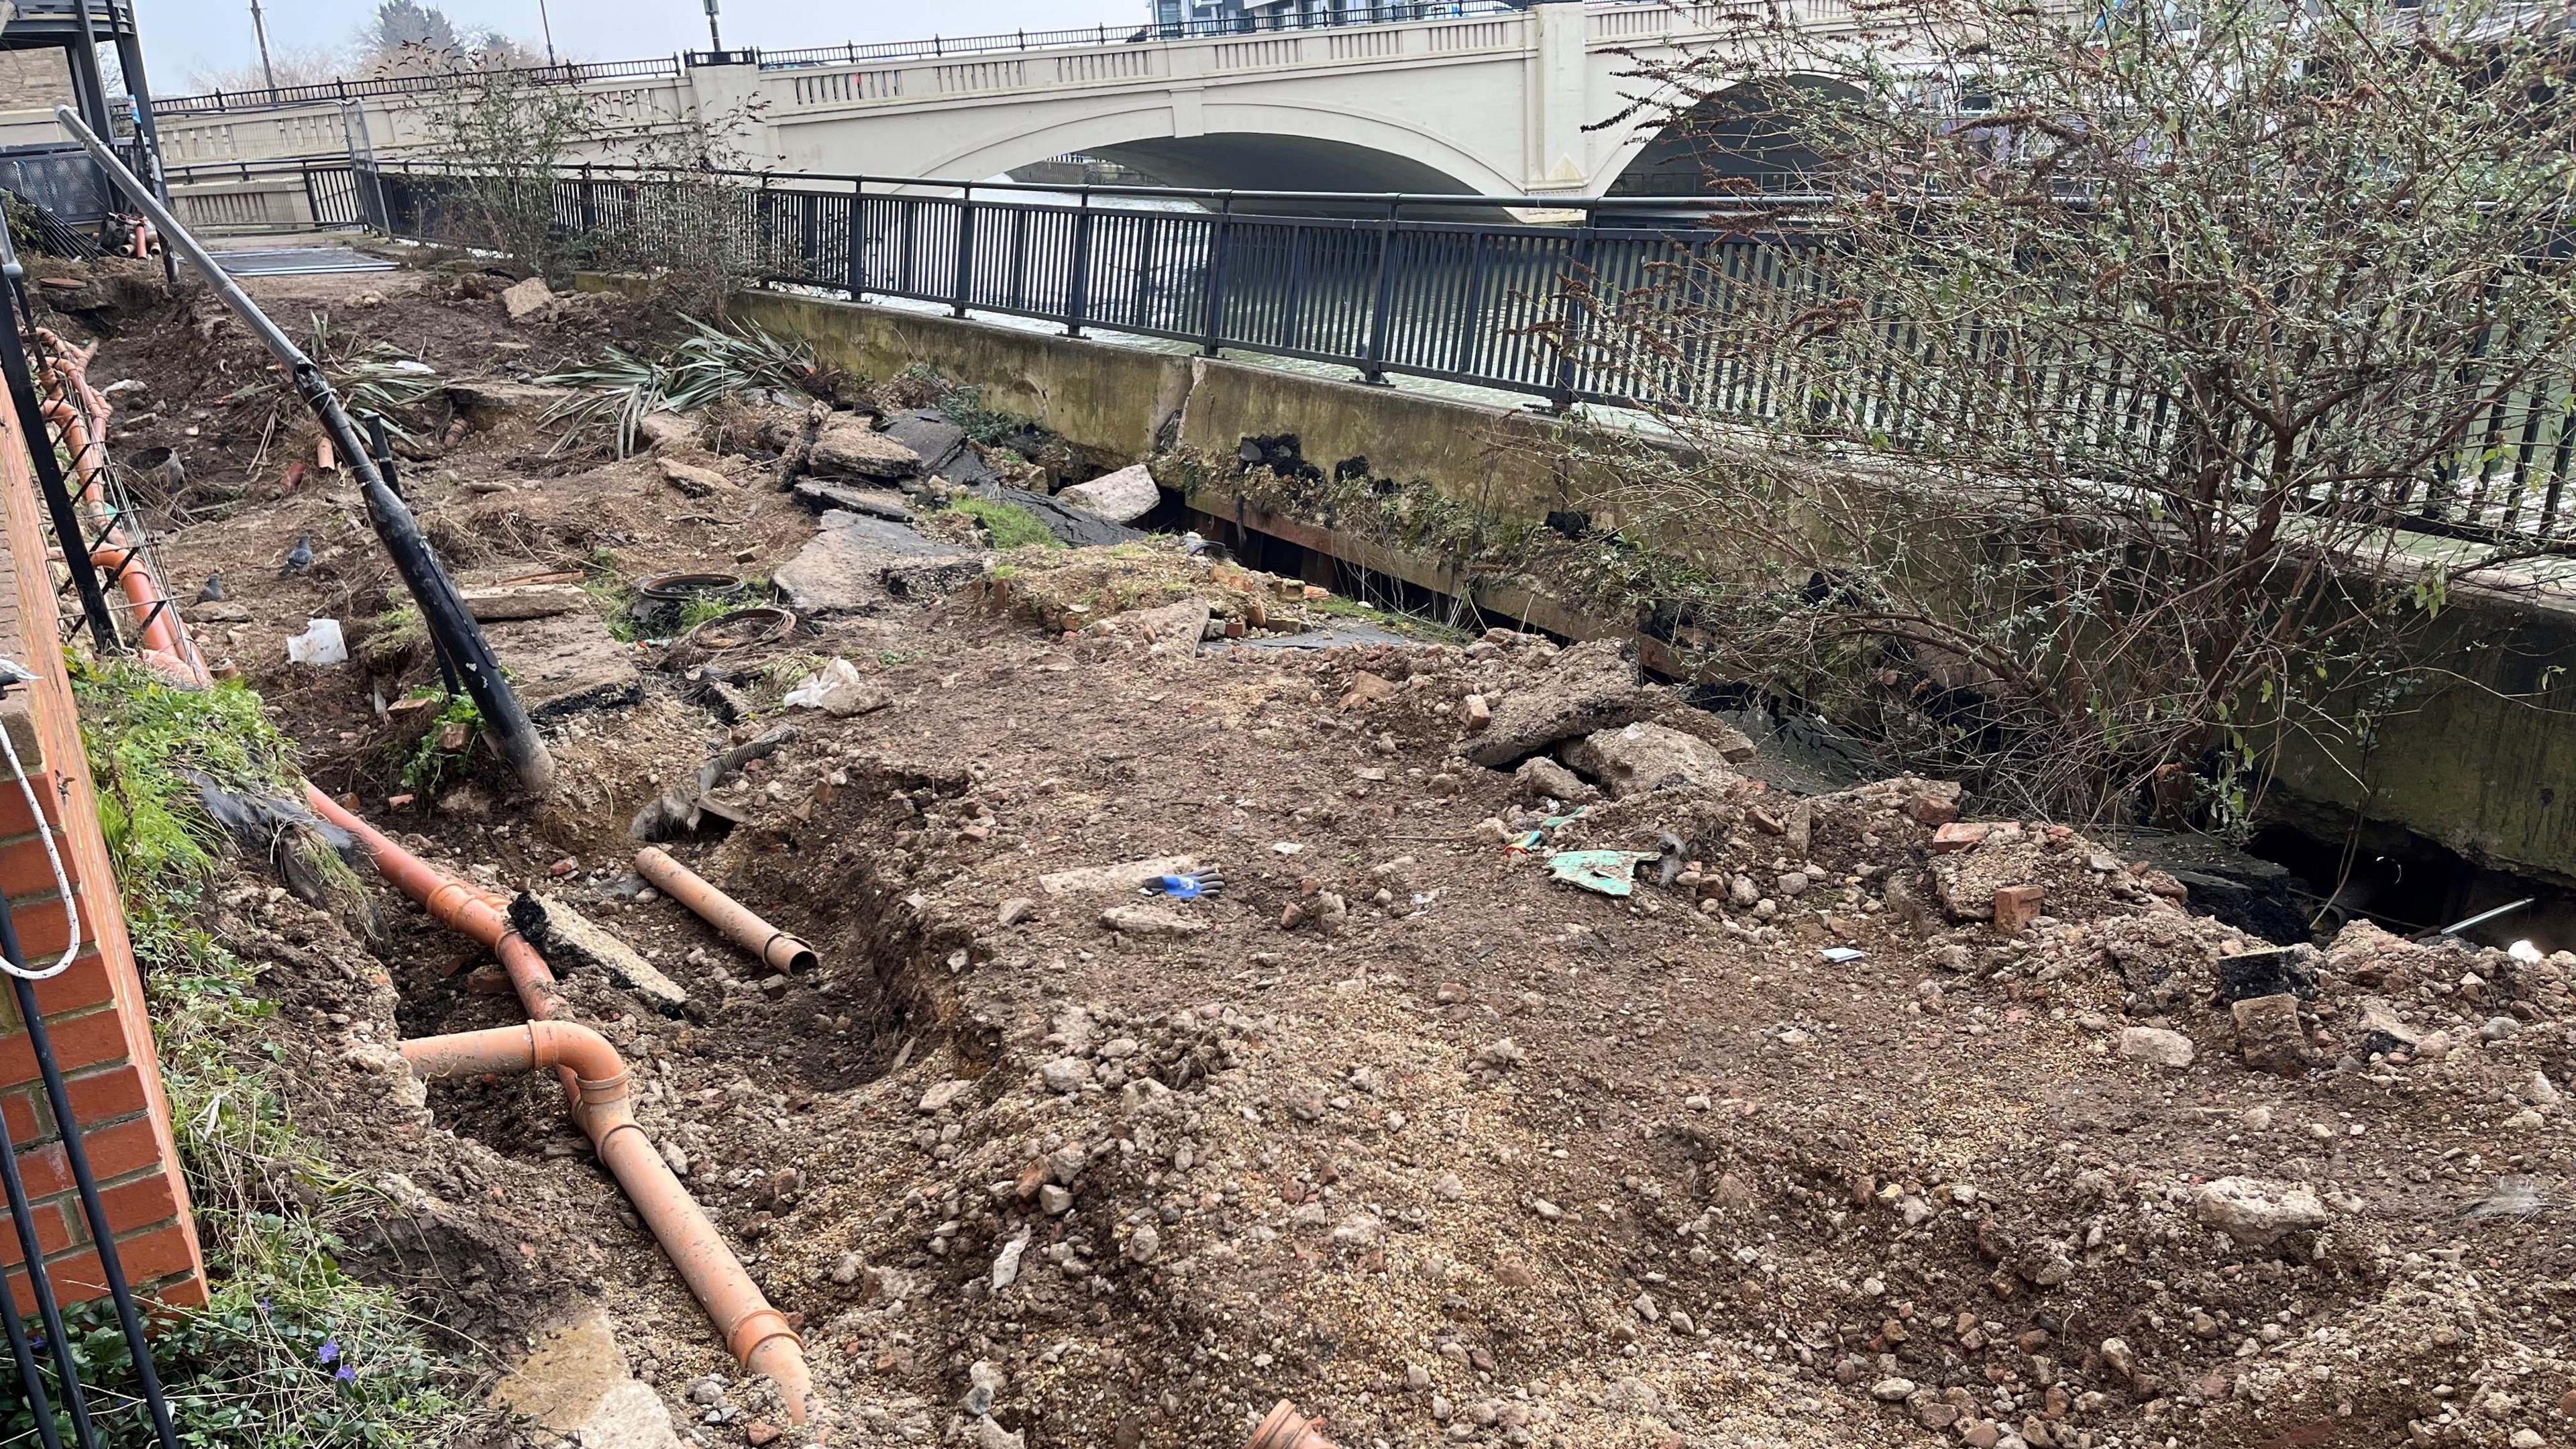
[
  {"x": 782, "y": 952},
  {"x": 757, "y": 1334}
]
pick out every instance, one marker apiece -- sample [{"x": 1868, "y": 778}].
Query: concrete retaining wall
[{"x": 2485, "y": 763}]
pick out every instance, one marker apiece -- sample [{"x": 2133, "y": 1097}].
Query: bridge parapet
[{"x": 1473, "y": 95}]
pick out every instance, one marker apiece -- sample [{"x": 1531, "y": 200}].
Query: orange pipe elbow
[
  {"x": 756, "y": 1333},
  {"x": 596, "y": 1082},
  {"x": 743, "y": 926}
]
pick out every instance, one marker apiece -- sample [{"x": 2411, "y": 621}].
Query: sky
[{"x": 184, "y": 40}]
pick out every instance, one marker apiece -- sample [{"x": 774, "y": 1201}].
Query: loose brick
[
  {"x": 14, "y": 819},
  {"x": 157, "y": 1253},
  {"x": 24, "y": 870},
  {"x": 142, "y": 1203},
  {"x": 106, "y": 1096},
  {"x": 1962, "y": 835},
  {"x": 2016, "y": 907},
  {"x": 43, "y": 927},
  {"x": 83, "y": 984},
  {"x": 114, "y": 1152},
  {"x": 28, "y": 1119}
]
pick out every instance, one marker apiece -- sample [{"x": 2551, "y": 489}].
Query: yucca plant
[{"x": 707, "y": 366}]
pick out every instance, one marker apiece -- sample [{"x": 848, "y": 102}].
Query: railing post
[
  {"x": 857, "y": 267},
  {"x": 1213, "y": 302},
  {"x": 965, "y": 268},
  {"x": 809, "y": 235},
  {"x": 1570, "y": 323},
  {"x": 1077, "y": 302},
  {"x": 589, "y": 200},
  {"x": 1373, "y": 369}
]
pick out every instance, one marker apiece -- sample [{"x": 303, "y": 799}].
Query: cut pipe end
[{"x": 1285, "y": 1428}]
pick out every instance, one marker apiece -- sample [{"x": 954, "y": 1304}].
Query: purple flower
[
  {"x": 329, "y": 1352},
  {"x": 346, "y": 1373}
]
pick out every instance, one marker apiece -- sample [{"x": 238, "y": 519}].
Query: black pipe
[
  {"x": 41, "y": 1288},
  {"x": 441, "y": 609}
]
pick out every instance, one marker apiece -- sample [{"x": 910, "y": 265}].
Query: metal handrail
[
  {"x": 1214, "y": 198},
  {"x": 659, "y": 68}
]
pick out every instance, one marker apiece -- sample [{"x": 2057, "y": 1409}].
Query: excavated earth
[{"x": 1850, "y": 1125}]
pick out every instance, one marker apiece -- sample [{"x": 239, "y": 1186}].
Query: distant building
[{"x": 1217, "y": 17}]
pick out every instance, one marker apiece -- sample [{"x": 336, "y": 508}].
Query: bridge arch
[
  {"x": 1736, "y": 133},
  {"x": 1270, "y": 146}
]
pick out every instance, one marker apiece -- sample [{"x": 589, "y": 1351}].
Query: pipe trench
[
  {"x": 596, "y": 1087},
  {"x": 595, "y": 1081}
]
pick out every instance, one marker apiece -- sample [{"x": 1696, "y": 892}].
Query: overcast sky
[{"x": 183, "y": 39}]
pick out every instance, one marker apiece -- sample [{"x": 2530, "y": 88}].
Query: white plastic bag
[
  {"x": 320, "y": 643},
  {"x": 837, "y": 688}
]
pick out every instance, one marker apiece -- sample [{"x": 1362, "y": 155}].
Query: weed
[
  {"x": 434, "y": 760},
  {"x": 701, "y": 609},
  {"x": 392, "y": 639},
  {"x": 1008, "y": 525}
]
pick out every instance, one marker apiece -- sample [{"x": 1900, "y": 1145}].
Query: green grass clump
[
  {"x": 290, "y": 1352},
  {"x": 143, "y": 735},
  {"x": 1008, "y": 525}
]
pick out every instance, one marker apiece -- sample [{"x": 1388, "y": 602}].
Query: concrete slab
[
  {"x": 859, "y": 562},
  {"x": 882, "y": 503},
  {"x": 574, "y": 1383},
  {"x": 566, "y": 663}
]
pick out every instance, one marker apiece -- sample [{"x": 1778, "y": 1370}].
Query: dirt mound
[{"x": 1848, "y": 1122}]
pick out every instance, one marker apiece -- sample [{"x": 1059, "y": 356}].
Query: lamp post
[
  {"x": 259, "y": 27},
  {"x": 546, "y": 23},
  {"x": 715, "y": 37}
]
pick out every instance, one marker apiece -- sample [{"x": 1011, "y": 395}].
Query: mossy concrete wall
[{"x": 2484, "y": 761}]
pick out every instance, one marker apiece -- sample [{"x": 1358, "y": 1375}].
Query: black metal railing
[
  {"x": 1455, "y": 288},
  {"x": 666, "y": 67},
  {"x": 1598, "y": 300},
  {"x": 332, "y": 190}
]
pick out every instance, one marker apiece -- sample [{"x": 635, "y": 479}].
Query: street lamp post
[
  {"x": 546, "y": 22},
  {"x": 715, "y": 37},
  {"x": 259, "y": 27}
]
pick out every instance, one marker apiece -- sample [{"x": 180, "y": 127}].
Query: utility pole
[
  {"x": 715, "y": 37},
  {"x": 548, "y": 23},
  {"x": 259, "y": 27}
]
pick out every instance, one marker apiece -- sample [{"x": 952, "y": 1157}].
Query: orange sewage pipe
[
  {"x": 594, "y": 1079},
  {"x": 163, "y": 639},
  {"x": 781, "y": 951},
  {"x": 595, "y": 1082}
]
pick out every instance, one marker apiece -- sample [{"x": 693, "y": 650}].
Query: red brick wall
[{"x": 94, "y": 1012}]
